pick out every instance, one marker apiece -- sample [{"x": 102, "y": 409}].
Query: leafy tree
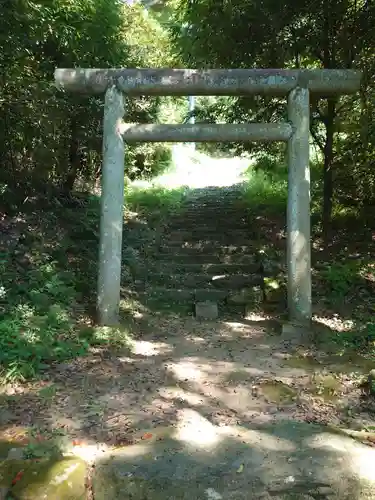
[
  {"x": 303, "y": 34},
  {"x": 51, "y": 139}
]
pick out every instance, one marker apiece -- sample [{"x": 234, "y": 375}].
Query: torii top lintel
[{"x": 277, "y": 82}]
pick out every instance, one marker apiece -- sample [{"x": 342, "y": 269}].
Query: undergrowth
[
  {"x": 154, "y": 200},
  {"x": 341, "y": 284},
  {"x": 47, "y": 288}
]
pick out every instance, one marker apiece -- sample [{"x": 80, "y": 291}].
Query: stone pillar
[
  {"x": 298, "y": 212},
  {"x": 111, "y": 210}
]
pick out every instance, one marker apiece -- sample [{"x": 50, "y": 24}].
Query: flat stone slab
[
  {"x": 204, "y": 268},
  {"x": 206, "y": 310},
  {"x": 246, "y": 296},
  {"x": 295, "y": 334},
  {"x": 200, "y": 280},
  {"x": 282, "y": 461},
  {"x": 203, "y": 258}
]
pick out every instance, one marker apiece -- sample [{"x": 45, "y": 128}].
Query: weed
[
  {"x": 360, "y": 339},
  {"x": 265, "y": 190},
  {"x": 41, "y": 445},
  {"x": 48, "y": 393},
  {"x": 159, "y": 199}
]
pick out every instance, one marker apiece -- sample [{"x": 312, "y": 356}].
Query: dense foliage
[
  {"x": 304, "y": 34},
  {"x": 47, "y": 138}
]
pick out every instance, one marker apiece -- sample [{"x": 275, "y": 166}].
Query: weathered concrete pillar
[
  {"x": 298, "y": 212},
  {"x": 111, "y": 210}
]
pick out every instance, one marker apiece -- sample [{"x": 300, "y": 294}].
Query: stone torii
[{"x": 296, "y": 85}]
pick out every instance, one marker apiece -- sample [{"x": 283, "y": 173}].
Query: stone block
[
  {"x": 296, "y": 334},
  {"x": 206, "y": 310},
  {"x": 246, "y": 296}
]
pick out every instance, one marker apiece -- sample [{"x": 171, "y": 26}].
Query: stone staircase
[{"x": 210, "y": 250}]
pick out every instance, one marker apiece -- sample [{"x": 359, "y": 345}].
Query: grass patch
[
  {"x": 154, "y": 199},
  {"x": 265, "y": 189}
]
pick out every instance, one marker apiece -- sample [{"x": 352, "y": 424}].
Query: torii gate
[{"x": 295, "y": 84}]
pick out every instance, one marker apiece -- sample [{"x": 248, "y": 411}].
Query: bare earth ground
[{"x": 224, "y": 372}]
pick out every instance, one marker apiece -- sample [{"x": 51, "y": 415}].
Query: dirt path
[{"x": 227, "y": 372}]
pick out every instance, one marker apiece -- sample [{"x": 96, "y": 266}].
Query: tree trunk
[
  {"x": 327, "y": 171},
  {"x": 74, "y": 157}
]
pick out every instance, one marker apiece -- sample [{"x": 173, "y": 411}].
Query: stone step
[
  {"x": 218, "y": 207},
  {"x": 202, "y": 280},
  {"x": 216, "y": 218},
  {"x": 238, "y": 238},
  {"x": 233, "y": 200},
  {"x": 183, "y": 295},
  {"x": 175, "y": 247},
  {"x": 214, "y": 226},
  {"x": 196, "y": 268},
  {"x": 210, "y": 214},
  {"x": 216, "y": 242},
  {"x": 203, "y": 258}
]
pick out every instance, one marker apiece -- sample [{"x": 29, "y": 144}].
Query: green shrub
[
  {"x": 154, "y": 198},
  {"x": 36, "y": 325},
  {"x": 147, "y": 160},
  {"x": 341, "y": 277},
  {"x": 28, "y": 342},
  {"x": 358, "y": 339},
  {"x": 264, "y": 190}
]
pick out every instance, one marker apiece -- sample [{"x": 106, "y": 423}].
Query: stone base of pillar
[{"x": 297, "y": 333}]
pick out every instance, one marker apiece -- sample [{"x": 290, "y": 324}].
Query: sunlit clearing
[
  {"x": 212, "y": 494},
  {"x": 113, "y": 335},
  {"x": 137, "y": 315},
  {"x": 197, "y": 170},
  {"x": 254, "y": 316},
  {"x": 339, "y": 323},
  {"x": 197, "y": 431},
  {"x": 144, "y": 348}
]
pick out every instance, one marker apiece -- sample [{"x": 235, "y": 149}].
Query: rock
[
  {"x": 282, "y": 460},
  {"x": 15, "y": 454},
  {"x": 206, "y": 310},
  {"x": 236, "y": 281},
  {"x": 6, "y": 416},
  {"x": 246, "y": 296},
  {"x": 296, "y": 334},
  {"x": 50, "y": 479},
  {"x": 275, "y": 294}
]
